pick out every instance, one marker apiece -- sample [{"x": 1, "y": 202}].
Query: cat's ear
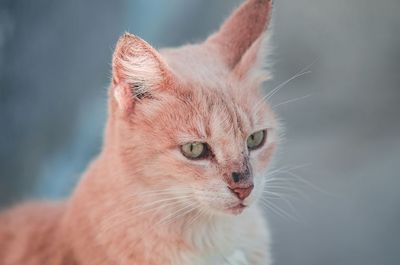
[
  {"x": 137, "y": 71},
  {"x": 241, "y": 39}
]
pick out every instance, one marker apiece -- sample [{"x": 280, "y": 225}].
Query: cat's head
[{"x": 192, "y": 121}]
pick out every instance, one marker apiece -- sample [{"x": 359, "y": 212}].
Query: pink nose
[{"x": 242, "y": 193}]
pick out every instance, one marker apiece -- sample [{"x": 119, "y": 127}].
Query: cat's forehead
[
  {"x": 220, "y": 105},
  {"x": 226, "y": 117},
  {"x": 215, "y": 114},
  {"x": 193, "y": 64}
]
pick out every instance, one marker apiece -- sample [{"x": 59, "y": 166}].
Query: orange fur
[{"x": 141, "y": 201}]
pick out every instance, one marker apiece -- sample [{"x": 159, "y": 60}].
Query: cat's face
[
  {"x": 192, "y": 121},
  {"x": 202, "y": 144}
]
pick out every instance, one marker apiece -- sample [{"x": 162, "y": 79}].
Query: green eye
[
  {"x": 194, "y": 150},
  {"x": 256, "y": 140}
]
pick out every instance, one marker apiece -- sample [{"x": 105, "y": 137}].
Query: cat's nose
[
  {"x": 239, "y": 176},
  {"x": 242, "y": 192},
  {"x": 241, "y": 184}
]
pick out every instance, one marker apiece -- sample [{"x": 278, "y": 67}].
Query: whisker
[
  {"x": 267, "y": 205},
  {"x": 116, "y": 220},
  {"x": 162, "y": 200},
  {"x": 195, "y": 217},
  {"x": 190, "y": 209},
  {"x": 291, "y": 100},
  {"x": 271, "y": 196},
  {"x": 280, "y": 197},
  {"x": 172, "y": 215},
  {"x": 278, "y": 210},
  {"x": 167, "y": 191},
  {"x": 159, "y": 207},
  {"x": 276, "y": 89},
  {"x": 308, "y": 183},
  {"x": 291, "y": 188},
  {"x": 300, "y": 73}
]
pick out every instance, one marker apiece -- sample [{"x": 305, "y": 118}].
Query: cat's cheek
[
  {"x": 256, "y": 192},
  {"x": 212, "y": 194},
  {"x": 263, "y": 157}
]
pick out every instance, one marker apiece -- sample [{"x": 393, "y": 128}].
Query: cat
[{"x": 188, "y": 141}]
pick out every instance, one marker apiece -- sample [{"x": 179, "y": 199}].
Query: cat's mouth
[{"x": 236, "y": 209}]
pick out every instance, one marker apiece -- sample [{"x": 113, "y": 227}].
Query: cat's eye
[
  {"x": 256, "y": 140},
  {"x": 195, "y": 150}
]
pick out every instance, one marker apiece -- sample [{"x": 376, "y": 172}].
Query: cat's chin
[
  {"x": 228, "y": 210},
  {"x": 231, "y": 210}
]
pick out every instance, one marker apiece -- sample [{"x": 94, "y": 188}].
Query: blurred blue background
[{"x": 344, "y": 138}]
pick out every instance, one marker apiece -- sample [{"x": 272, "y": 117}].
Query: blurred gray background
[{"x": 342, "y": 135}]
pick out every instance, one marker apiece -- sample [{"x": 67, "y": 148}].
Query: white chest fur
[
  {"x": 222, "y": 242},
  {"x": 237, "y": 257},
  {"x": 239, "y": 240}
]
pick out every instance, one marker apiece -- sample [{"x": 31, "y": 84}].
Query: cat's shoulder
[{"x": 28, "y": 224}]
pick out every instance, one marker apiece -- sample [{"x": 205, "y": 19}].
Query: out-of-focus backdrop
[{"x": 343, "y": 140}]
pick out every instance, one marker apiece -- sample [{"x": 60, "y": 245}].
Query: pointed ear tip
[
  {"x": 126, "y": 43},
  {"x": 263, "y": 1},
  {"x": 263, "y": 5},
  {"x": 128, "y": 34},
  {"x": 127, "y": 37}
]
